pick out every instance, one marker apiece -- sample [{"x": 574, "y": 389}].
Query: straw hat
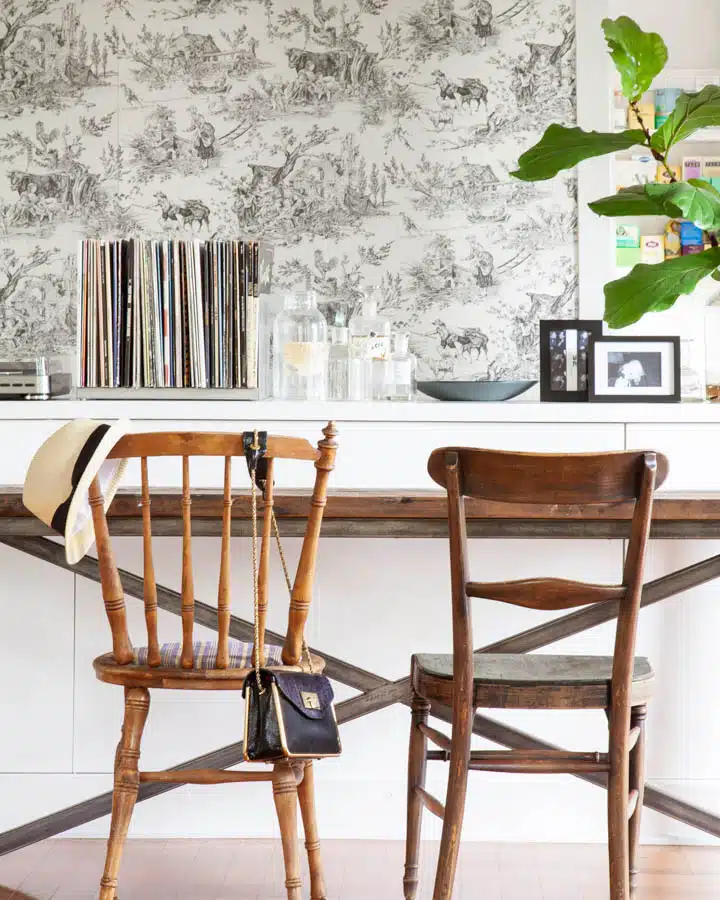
[{"x": 58, "y": 480}]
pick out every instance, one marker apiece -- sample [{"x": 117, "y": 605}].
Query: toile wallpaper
[{"x": 369, "y": 140}]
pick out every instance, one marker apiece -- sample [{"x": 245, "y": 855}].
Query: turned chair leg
[
  {"x": 454, "y": 805},
  {"x": 637, "y": 783},
  {"x": 618, "y": 798},
  {"x": 306, "y": 796},
  {"x": 417, "y": 765},
  {"x": 126, "y": 785},
  {"x": 285, "y": 792}
]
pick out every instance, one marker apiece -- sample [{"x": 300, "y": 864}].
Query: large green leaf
[
  {"x": 563, "y": 148},
  {"x": 697, "y": 201},
  {"x": 639, "y": 56},
  {"x": 692, "y": 112},
  {"x": 634, "y": 201},
  {"x": 654, "y": 288}
]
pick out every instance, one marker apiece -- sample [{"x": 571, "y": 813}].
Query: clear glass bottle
[
  {"x": 369, "y": 340},
  {"x": 339, "y": 363},
  {"x": 394, "y": 378},
  {"x": 300, "y": 349}
]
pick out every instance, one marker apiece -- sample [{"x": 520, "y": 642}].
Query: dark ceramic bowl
[{"x": 474, "y": 391}]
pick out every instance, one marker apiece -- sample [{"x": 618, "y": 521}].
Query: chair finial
[{"x": 330, "y": 432}]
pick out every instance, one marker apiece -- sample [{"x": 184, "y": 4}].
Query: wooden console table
[{"x": 368, "y": 514}]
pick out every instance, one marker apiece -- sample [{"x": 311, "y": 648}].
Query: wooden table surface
[{"x": 394, "y": 514}]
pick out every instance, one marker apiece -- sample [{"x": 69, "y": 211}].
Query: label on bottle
[
  {"x": 403, "y": 372},
  {"x": 371, "y": 346},
  {"x": 307, "y": 358}
]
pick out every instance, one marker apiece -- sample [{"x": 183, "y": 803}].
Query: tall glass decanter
[{"x": 300, "y": 342}]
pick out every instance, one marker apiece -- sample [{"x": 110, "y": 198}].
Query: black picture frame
[
  {"x": 549, "y": 391},
  {"x": 639, "y": 397}
]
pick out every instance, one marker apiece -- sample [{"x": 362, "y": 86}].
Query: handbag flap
[{"x": 311, "y": 695}]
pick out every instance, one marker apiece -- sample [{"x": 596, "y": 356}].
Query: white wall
[{"x": 690, "y": 28}]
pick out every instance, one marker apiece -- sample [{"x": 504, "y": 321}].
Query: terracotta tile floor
[{"x": 356, "y": 870}]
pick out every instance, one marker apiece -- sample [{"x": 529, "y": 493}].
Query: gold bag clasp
[{"x": 310, "y": 700}]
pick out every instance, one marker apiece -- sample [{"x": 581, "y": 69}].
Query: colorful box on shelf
[
  {"x": 652, "y": 249},
  {"x": 646, "y": 111},
  {"x": 627, "y": 236},
  {"x": 690, "y": 234},
  {"x": 665, "y": 100},
  {"x": 692, "y": 167},
  {"x": 627, "y": 257},
  {"x": 665, "y": 174},
  {"x": 711, "y": 167},
  {"x": 673, "y": 243}
]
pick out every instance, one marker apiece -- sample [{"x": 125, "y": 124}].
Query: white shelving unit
[{"x": 597, "y": 81}]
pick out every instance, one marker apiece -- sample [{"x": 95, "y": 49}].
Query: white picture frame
[{"x": 635, "y": 370}]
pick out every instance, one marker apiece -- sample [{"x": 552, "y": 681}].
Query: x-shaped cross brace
[{"x": 376, "y": 692}]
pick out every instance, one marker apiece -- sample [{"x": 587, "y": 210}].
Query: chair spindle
[
  {"x": 264, "y": 567},
  {"x": 223, "y": 656},
  {"x": 149, "y": 585},
  {"x": 304, "y": 576},
  {"x": 112, "y": 590},
  {"x": 188, "y": 589}
]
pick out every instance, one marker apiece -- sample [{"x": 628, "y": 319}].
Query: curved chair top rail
[
  {"x": 547, "y": 478},
  {"x": 200, "y": 443}
]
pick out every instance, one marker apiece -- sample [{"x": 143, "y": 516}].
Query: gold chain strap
[
  {"x": 288, "y": 582},
  {"x": 256, "y": 593},
  {"x": 286, "y": 573}
]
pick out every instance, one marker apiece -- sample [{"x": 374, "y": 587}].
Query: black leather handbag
[
  {"x": 289, "y": 714},
  {"x": 291, "y": 718}
]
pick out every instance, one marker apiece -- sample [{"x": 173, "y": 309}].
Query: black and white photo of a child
[{"x": 634, "y": 370}]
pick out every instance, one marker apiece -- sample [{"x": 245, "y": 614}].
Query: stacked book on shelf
[{"x": 169, "y": 313}]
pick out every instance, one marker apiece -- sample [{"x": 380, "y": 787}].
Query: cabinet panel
[
  {"x": 386, "y": 455},
  {"x": 693, "y": 451},
  {"x": 36, "y": 665}
]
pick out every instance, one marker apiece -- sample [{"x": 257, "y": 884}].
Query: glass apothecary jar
[{"x": 300, "y": 349}]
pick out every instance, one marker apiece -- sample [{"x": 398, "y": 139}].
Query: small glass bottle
[
  {"x": 339, "y": 363},
  {"x": 394, "y": 378},
  {"x": 369, "y": 340},
  {"x": 300, "y": 349}
]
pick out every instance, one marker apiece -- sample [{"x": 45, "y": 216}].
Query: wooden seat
[
  {"x": 174, "y": 678},
  {"x": 465, "y": 681},
  {"x": 532, "y": 681},
  {"x": 217, "y": 666}
]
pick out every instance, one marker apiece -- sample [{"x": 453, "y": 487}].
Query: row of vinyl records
[{"x": 169, "y": 313}]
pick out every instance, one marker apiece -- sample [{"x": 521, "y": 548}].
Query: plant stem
[{"x": 660, "y": 157}]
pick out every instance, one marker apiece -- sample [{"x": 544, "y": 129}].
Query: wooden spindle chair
[
  {"x": 620, "y": 685},
  {"x": 223, "y": 665}
]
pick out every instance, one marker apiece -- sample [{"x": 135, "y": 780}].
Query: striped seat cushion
[{"x": 205, "y": 654}]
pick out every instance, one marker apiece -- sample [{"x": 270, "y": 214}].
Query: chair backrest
[
  {"x": 538, "y": 479},
  {"x": 227, "y": 446}
]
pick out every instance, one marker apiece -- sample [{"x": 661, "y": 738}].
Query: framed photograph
[
  {"x": 565, "y": 358},
  {"x": 635, "y": 370}
]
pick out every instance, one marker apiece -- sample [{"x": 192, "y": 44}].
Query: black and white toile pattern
[{"x": 369, "y": 140}]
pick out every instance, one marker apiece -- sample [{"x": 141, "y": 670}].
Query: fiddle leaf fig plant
[{"x": 640, "y": 57}]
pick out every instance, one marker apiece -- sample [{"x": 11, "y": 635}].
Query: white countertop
[{"x": 421, "y": 411}]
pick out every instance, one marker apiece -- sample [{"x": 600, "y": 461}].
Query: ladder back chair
[
  {"x": 221, "y": 665},
  {"x": 620, "y": 685}
]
